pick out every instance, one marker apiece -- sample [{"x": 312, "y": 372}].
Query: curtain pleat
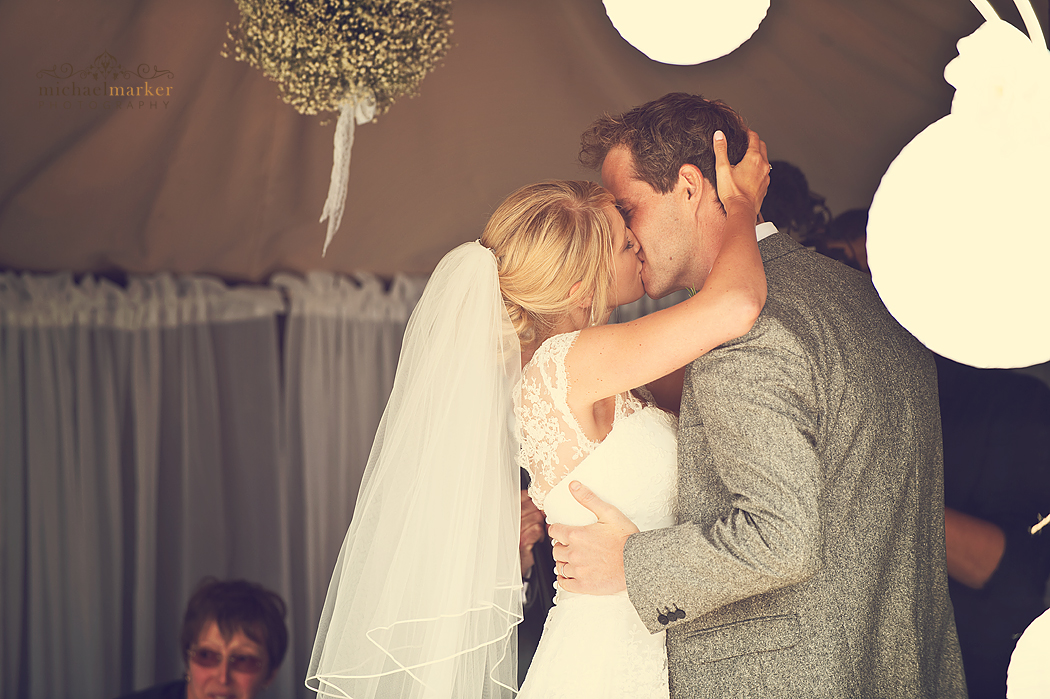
[
  {"x": 171, "y": 428},
  {"x": 14, "y": 655},
  {"x": 340, "y": 350}
]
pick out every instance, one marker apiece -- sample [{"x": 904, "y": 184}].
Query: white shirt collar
[{"x": 765, "y": 229}]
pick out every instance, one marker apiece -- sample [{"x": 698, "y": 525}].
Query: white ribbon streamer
[{"x": 359, "y": 108}]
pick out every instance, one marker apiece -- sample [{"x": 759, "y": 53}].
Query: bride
[{"x": 507, "y": 360}]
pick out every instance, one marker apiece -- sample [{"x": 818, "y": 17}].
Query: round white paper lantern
[
  {"x": 1028, "y": 676},
  {"x": 686, "y": 32},
  {"x": 959, "y": 229}
]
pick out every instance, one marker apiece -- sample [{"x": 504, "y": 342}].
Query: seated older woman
[{"x": 233, "y": 641}]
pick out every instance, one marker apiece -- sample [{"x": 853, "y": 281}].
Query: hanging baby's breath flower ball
[{"x": 320, "y": 52}]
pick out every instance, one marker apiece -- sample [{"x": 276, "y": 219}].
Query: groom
[{"x": 809, "y": 556}]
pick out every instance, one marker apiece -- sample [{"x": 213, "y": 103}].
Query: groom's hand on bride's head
[{"x": 590, "y": 559}]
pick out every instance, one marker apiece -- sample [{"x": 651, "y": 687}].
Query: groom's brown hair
[{"x": 665, "y": 134}]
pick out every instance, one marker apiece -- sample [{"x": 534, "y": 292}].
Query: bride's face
[{"x": 627, "y": 268}]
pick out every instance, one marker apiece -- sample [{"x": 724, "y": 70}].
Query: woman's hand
[{"x": 742, "y": 185}]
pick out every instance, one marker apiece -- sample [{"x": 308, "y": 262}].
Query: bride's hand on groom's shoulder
[{"x": 590, "y": 559}]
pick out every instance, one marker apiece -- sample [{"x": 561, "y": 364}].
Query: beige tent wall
[
  {"x": 224, "y": 178},
  {"x": 220, "y": 177}
]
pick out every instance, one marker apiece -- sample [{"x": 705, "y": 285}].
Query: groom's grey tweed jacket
[{"x": 809, "y": 556}]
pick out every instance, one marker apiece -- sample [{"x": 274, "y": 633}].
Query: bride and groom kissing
[{"x": 782, "y": 537}]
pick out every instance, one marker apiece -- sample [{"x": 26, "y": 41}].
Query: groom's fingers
[
  {"x": 590, "y": 558},
  {"x": 559, "y": 534},
  {"x": 559, "y": 550},
  {"x": 586, "y": 497}
]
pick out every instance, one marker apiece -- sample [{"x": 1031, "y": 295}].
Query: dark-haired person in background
[
  {"x": 845, "y": 239},
  {"x": 233, "y": 641},
  {"x": 792, "y": 206}
]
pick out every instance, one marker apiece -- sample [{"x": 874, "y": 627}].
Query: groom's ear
[{"x": 691, "y": 183}]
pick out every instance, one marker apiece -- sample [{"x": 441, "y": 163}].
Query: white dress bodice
[
  {"x": 640, "y": 449},
  {"x": 595, "y": 646}
]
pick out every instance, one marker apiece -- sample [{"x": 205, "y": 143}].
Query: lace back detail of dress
[{"x": 552, "y": 441}]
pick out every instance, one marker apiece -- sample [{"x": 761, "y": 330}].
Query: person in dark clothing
[{"x": 996, "y": 427}]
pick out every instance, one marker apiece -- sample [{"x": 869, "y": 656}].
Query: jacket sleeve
[{"x": 749, "y": 483}]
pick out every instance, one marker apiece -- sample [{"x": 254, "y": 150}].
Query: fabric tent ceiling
[{"x": 221, "y": 177}]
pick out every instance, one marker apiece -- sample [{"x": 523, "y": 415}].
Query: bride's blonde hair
[{"x": 546, "y": 237}]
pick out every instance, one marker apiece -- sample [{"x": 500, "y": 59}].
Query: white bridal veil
[{"x": 427, "y": 588}]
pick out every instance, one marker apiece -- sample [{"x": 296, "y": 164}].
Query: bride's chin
[{"x": 631, "y": 298}]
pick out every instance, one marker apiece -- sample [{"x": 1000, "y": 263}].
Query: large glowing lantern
[
  {"x": 686, "y": 32},
  {"x": 1027, "y": 676},
  {"x": 958, "y": 234}
]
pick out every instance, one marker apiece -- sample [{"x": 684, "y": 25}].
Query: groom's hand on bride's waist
[{"x": 590, "y": 559}]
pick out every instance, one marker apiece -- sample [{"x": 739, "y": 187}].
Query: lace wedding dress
[{"x": 595, "y": 646}]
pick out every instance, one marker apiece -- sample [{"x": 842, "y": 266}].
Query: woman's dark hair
[{"x": 237, "y": 605}]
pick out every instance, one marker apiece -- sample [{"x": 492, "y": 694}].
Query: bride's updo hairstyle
[{"x": 546, "y": 237}]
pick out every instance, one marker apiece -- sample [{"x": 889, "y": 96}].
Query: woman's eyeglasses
[{"x": 248, "y": 664}]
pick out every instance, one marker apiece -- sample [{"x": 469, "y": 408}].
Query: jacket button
[{"x": 662, "y": 619}]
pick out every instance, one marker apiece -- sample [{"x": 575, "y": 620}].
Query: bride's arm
[{"x": 611, "y": 359}]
